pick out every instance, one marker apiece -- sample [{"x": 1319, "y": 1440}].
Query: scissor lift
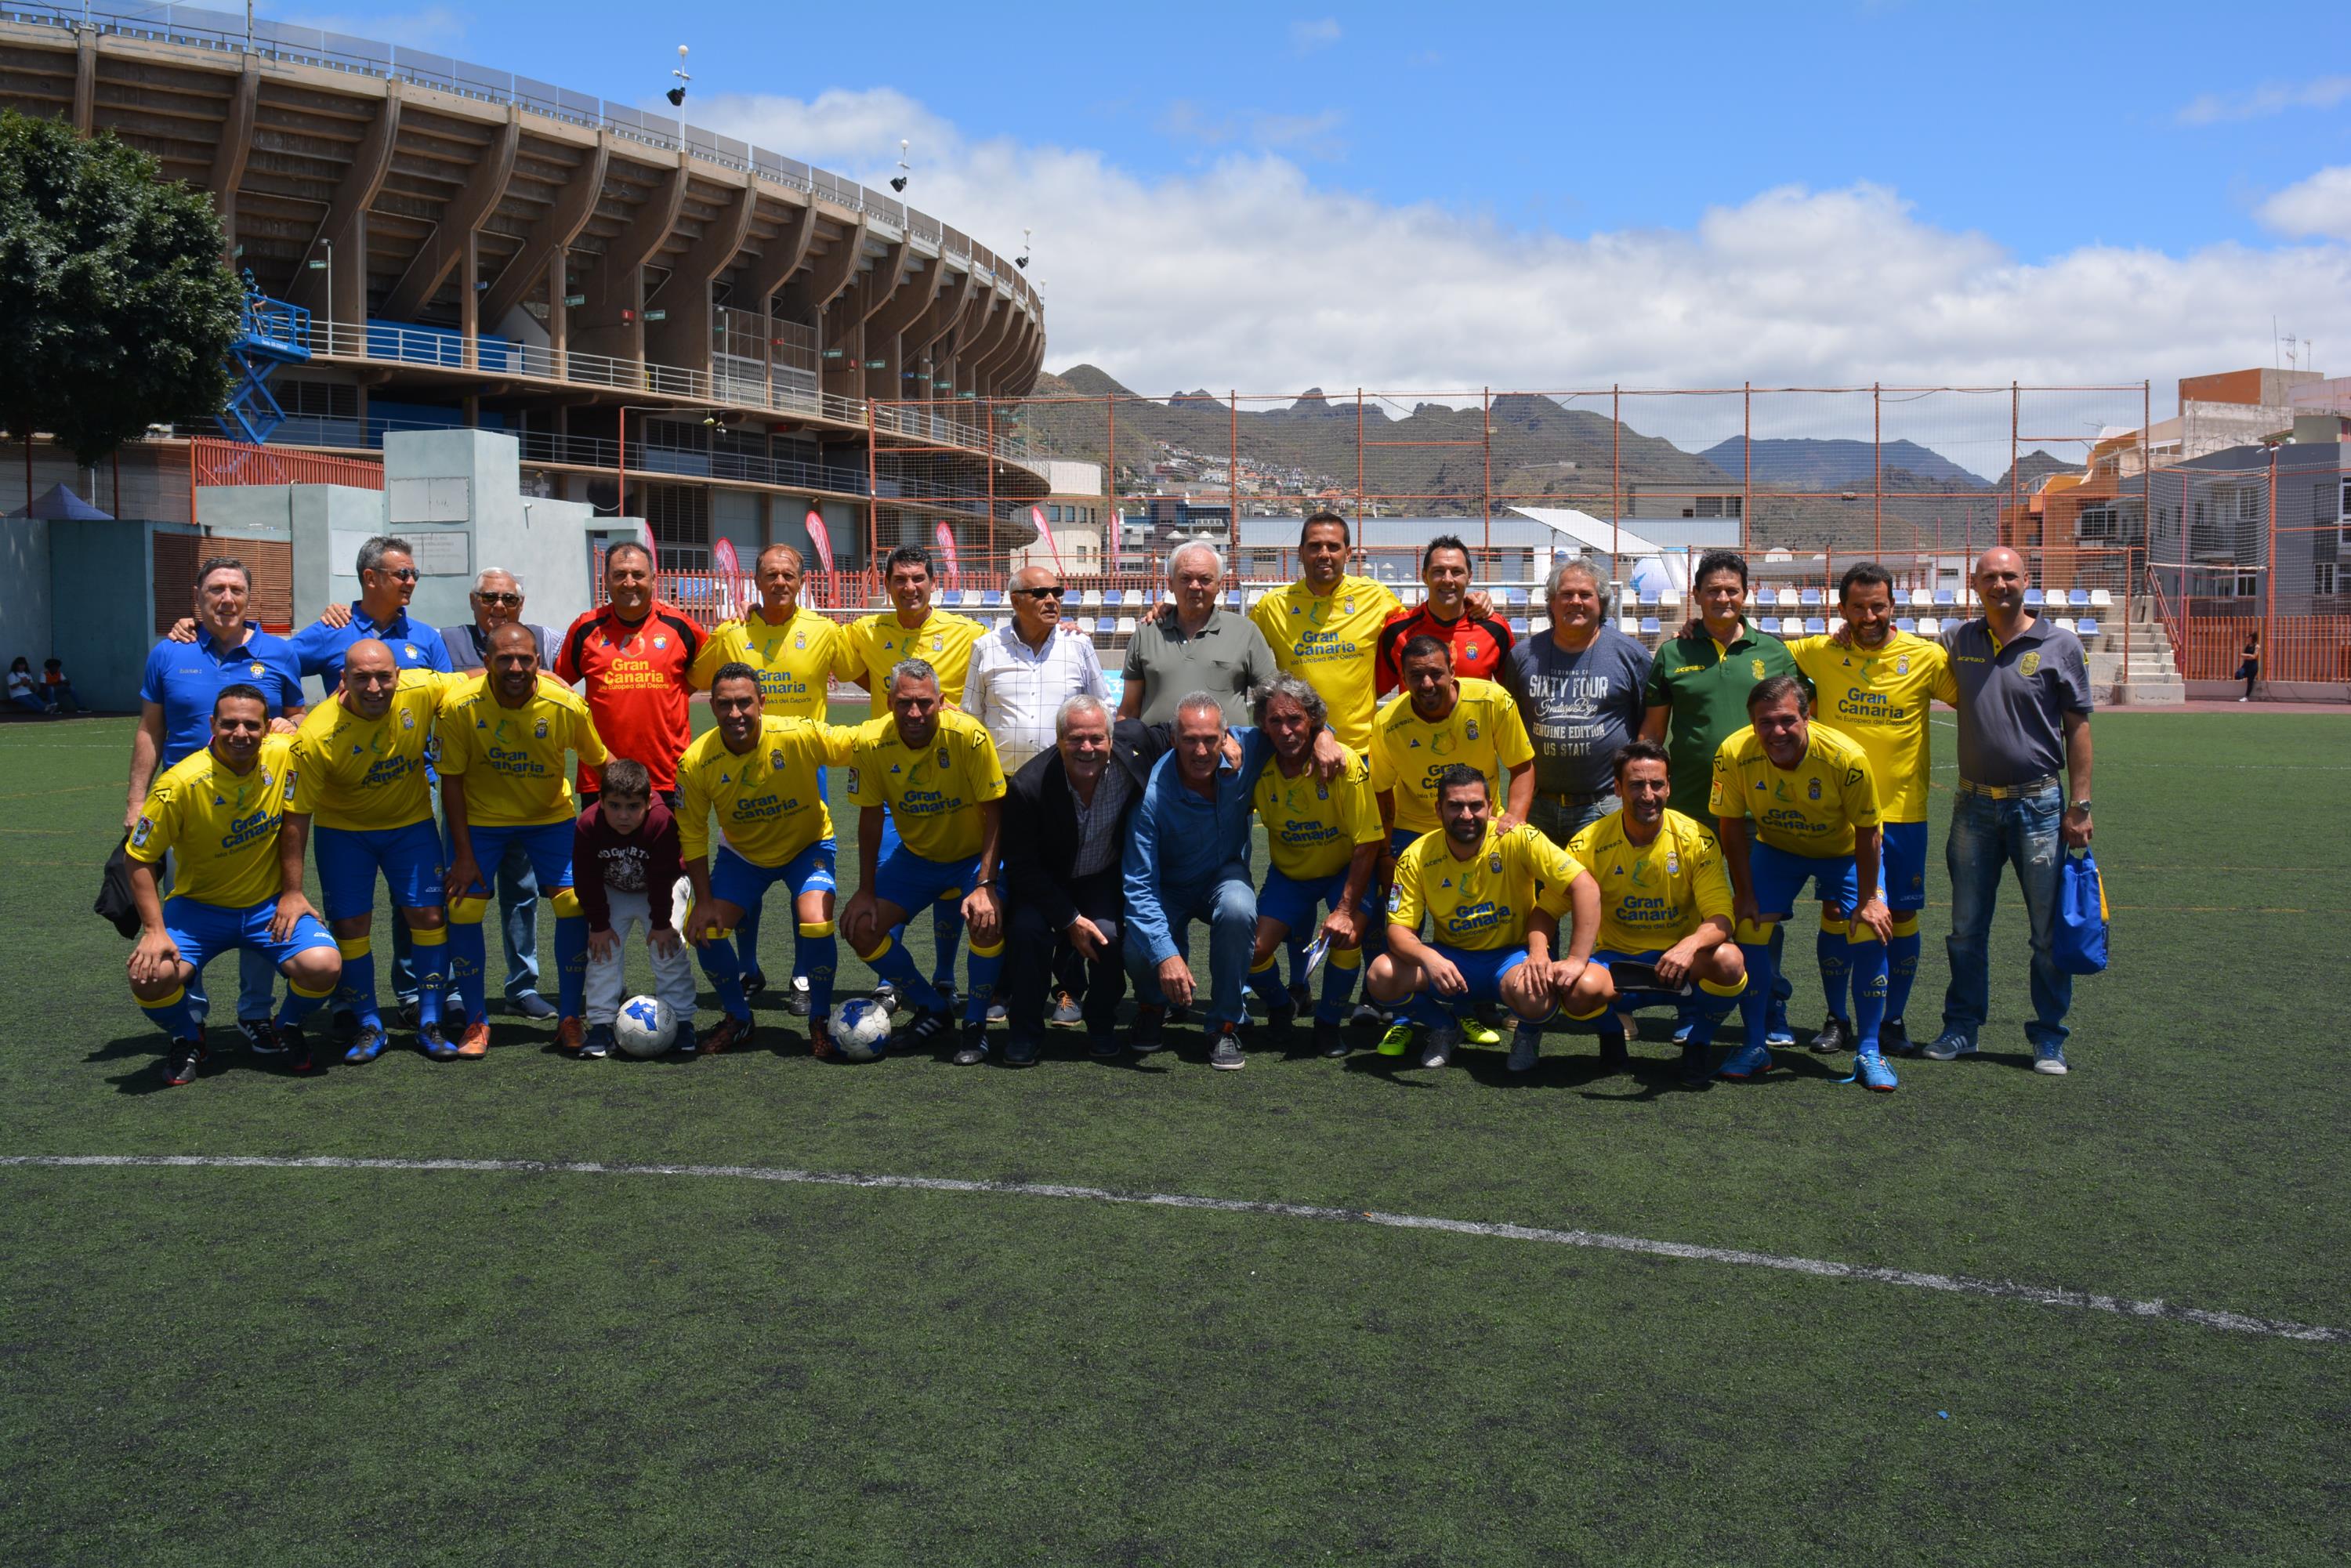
[{"x": 270, "y": 333}]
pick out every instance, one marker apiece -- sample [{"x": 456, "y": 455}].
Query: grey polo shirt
[
  {"x": 1227, "y": 656},
  {"x": 2013, "y": 699},
  {"x": 470, "y": 650}
]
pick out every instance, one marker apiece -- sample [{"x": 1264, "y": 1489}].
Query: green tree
[{"x": 116, "y": 310}]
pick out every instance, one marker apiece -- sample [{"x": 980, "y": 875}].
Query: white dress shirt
[{"x": 1016, "y": 691}]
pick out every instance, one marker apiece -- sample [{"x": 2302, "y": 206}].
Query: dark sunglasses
[
  {"x": 1039, "y": 592},
  {"x": 498, "y": 598},
  {"x": 400, "y": 574}
]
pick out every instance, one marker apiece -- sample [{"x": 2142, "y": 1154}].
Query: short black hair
[
  {"x": 1422, "y": 646},
  {"x": 735, "y": 670},
  {"x": 1638, "y": 750},
  {"x": 625, "y": 777},
  {"x": 1458, "y": 774},
  {"x": 908, "y": 555},
  {"x": 1772, "y": 688},
  {"x": 1863, "y": 574},
  {"x": 627, "y": 547},
  {"x": 242, "y": 690},
  {"x": 1715, "y": 561},
  {"x": 1444, "y": 541},
  {"x": 1325, "y": 516}
]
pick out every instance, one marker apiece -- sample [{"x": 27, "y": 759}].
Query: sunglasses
[
  {"x": 499, "y": 598},
  {"x": 1038, "y": 592},
  {"x": 402, "y": 574}
]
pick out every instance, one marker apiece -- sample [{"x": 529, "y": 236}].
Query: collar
[
  {"x": 892, "y": 616},
  {"x": 1429, "y": 613},
  {"x": 1492, "y": 842},
  {"x": 213, "y": 645},
  {"x": 1724, "y": 649},
  {"x": 1011, "y": 633},
  {"x": 360, "y": 617},
  {"x": 2032, "y": 631},
  {"x": 758, "y": 613},
  {"x": 1172, "y": 620}
]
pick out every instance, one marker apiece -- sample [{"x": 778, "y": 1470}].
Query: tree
[{"x": 116, "y": 310}]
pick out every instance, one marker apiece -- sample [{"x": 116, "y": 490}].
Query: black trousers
[{"x": 1037, "y": 953}]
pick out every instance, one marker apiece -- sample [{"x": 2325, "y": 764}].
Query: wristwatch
[{"x": 2081, "y": 805}]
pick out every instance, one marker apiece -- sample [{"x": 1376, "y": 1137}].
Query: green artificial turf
[{"x": 335, "y": 1365}]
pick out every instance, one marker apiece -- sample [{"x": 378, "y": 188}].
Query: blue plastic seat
[
  {"x": 1809, "y": 598},
  {"x": 1814, "y": 626},
  {"x": 1946, "y": 600},
  {"x": 1650, "y": 627},
  {"x": 2085, "y": 630},
  {"x": 2034, "y": 599},
  {"x": 1904, "y": 623}
]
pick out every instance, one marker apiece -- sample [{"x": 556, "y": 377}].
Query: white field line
[{"x": 1949, "y": 1284}]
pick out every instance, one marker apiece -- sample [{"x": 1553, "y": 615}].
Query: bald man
[{"x": 2022, "y": 799}]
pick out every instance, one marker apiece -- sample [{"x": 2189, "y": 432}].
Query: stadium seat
[
  {"x": 1836, "y": 623},
  {"x": 1671, "y": 599},
  {"x": 1809, "y": 598},
  {"x": 2064, "y": 623},
  {"x": 1649, "y": 598},
  {"x": 1540, "y": 626},
  {"x": 1105, "y": 626},
  {"x": 1922, "y": 599},
  {"x": 1930, "y": 627},
  {"x": 1233, "y": 599},
  {"x": 994, "y": 600},
  {"x": 1516, "y": 597},
  {"x": 1905, "y": 623},
  {"x": 1650, "y": 627},
  {"x": 1815, "y": 627},
  {"x": 2034, "y": 599},
  {"x": 1132, "y": 598},
  {"x": 1787, "y": 598},
  {"x": 1124, "y": 625},
  {"x": 1518, "y": 626},
  {"x": 2078, "y": 598},
  {"x": 2085, "y": 629},
  {"x": 1945, "y": 599},
  {"x": 1629, "y": 626},
  {"x": 2101, "y": 600}
]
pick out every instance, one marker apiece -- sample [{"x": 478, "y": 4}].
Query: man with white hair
[
  {"x": 1193, "y": 644},
  {"x": 1579, "y": 691},
  {"x": 498, "y": 598}
]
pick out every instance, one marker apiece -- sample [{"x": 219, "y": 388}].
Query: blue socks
[
  {"x": 946, "y": 934},
  {"x": 431, "y": 951},
  {"x": 355, "y": 992},
  {"x": 896, "y": 965},
  {"x": 176, "y": 1015},
  {"x": 301, "y": 1004},
  {"x": 1868, "y": 992},
  {"x": 721, "y": 961},
  {"x": 817, "y": 955},
  {"x": 987, "y": 964},
  {"x": 1755, "y": 1005},
  {"x": 1340, "y": 967},
  {"x": 746, "y": 941},
  {"x": 1901, "y": 964},
  {"x": 467, "y": 957}
]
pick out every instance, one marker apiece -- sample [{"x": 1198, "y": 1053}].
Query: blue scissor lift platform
[{"x": 271, "y": 333}]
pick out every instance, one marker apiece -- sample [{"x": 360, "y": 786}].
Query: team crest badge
[
  {"x": 1471, "y": 729},
  {"x": 1494, "y": 865},
  {"x": 2029, "y": 666},
  {"x": 258, "y": 669},
  {"x": 799, "y": 641},
  {"x": 265, "y": 779},
  {"x": 410, "y": 649},
  {"x": 942, "y": 757},
  {"x": 1396, "y": 894},
  {"x": 1814, "y": 789},
  {"x": 1321, "y": 791},
  {"x": 661, "y": 642},
  {"x": 1902, "y": 665},
  {"x": 852, "y": 780},
  {"x": 1347, "y": 605},
  {"x": 1673, "y": 864},
  {"x": 775, "y": 759},
  {"x": 938, "y": 645},
  {"x": 407, "y": 719},
  {"x": 1756, "y": 666},
  {"x": 539, "y": 730}
]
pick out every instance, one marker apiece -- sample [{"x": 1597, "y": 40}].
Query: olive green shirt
[{"x": 1703, "y": 686}]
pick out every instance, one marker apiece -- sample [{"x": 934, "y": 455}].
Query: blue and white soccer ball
[
  {"x": 861, "y": 1029},
  {"x": 644, "y": 1027}
]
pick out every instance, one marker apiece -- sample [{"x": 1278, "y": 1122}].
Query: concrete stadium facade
[{"x": 481, "y": 249}]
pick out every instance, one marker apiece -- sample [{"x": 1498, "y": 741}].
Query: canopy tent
[
  {"x": 58, "y": 505},
  {"x": 1654, "y": 567}
]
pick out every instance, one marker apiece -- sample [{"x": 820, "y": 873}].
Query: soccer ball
[
  {"x": 644, "y": 1027},
  {"x": 861, "y": 1029}
]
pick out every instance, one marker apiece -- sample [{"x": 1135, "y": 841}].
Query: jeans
[
  {"x": 1038, "y": 954},
  {"x": 1987, "y": 837},
  {"x": 1559, "y": 822},
  {"x": 1228, "y": 903},
  {"x": 518, "y": 921}
]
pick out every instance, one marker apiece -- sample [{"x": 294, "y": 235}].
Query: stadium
[{"x": 1114, "y": 1306}]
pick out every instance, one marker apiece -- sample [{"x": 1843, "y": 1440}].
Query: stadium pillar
[
  {"x": 469, "y": 301},
  {"x": 235, "y": 146},
  {"x": 85, "y": 98}
]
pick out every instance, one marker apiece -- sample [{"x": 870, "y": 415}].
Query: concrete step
[{"x": 2151, "y": 694}]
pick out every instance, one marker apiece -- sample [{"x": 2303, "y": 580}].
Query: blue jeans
[
  {"x": 1228, "y": 903},
  {"x": 1987, "y": 837},
  {"x": 518, "y": 921}
]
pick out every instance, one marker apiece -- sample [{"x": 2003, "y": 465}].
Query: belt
[
  {"x": 2009, "y": 792},
  {"x": 1577, "y": 797}
]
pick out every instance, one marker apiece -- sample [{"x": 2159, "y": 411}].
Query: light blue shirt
[
  {"x": 1178, "y": 841},
  {"x": 414, "y": 644}
]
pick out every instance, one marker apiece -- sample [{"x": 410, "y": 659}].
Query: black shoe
[
  {"x": 530, "y": 1005},
  {"x": 1329, "y": 1038},
  {"x": 259, "y": 1036},
  {"x": 1020, "y": 1053},
  {"x": 1835, "y": 1035},
  {"x": 796, "y": 1000},
  {"x": 925, "y": 1029},
  {"x": 753, "y": 984},
  {"x": 1281, "y": 1015},
  {"x": 410, "y": 1013},
  {"x": 1442, "y": 1044},
  {"x": 180, "y": 1061},
  {"x": 1613, "y": 1053},
  {"x": 297, "y": 1049},
  {"x": 1893, "y": 1038},
  {"x": 1104, "y": 1048},
  {"x": 885, "y": 997},
  {"x": 1150, "y": 1023},
  {"x": 1697, "y": 1065},
  {"x": 973, "y": 1049},
  {"x": 1179, "y": 1015},
  {"x": 1225, "y": 1055}
]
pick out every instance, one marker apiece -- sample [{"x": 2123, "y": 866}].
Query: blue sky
[{"x": 1509, "y": 195}]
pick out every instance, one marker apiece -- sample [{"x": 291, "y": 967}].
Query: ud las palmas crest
[
  {"x": 1757, "y": 666},
  {"x": 2030, "y": 664}
]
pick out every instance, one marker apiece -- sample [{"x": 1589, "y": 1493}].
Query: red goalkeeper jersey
[
  {"x": 1480, "y": 647},
  {"x": 635, "y": 684}
]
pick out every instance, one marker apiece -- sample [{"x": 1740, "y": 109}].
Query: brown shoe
[
  {"x": 475, "y": 1042},
  {"x": 571, "y": 1034},
  {"x": 820, "y": 1044},
  {"x": 730, "y": 1033}
]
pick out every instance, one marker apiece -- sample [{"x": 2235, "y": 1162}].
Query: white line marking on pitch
[{"x": 1950, "y": 1284}]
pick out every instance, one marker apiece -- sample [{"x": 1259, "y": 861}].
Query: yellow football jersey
[
  {"x": 934, "y": 794},
  {"x": 1311, "y": 826},
  {"x": 1810, "y": 809},
  {"x": 942, "y": 640},
  {"x": 1653, "y": 894},
  {"x": 1481, "y": 902},
  {"x": 512, "y": 758},
  {"x": 1331, "y": 642},
  {"x": 1484, "y": 730},
  {"x": 223, "y": 824},
  {"x": 1880, "y": 699},
  {"x": 793, "y": 658},
  {"x": 361, "y": 774},
  {"x": 767, "y": 801}
]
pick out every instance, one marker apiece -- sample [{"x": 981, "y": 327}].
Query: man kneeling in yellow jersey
[{"x": 1665, "y": 918}]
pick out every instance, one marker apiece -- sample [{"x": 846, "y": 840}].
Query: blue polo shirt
[
  {"x": 414, "y": 644},
  {"x": 183, "y": 679},
  {"x": 1176, "y": 842}
]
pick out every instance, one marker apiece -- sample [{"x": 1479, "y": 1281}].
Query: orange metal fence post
[
  {"x": 1877, "y": 468},
  {"x": 1746, "y": 466},
  {"x": 1233, "y": 490},
  {"x": 1616, "y": 474},
  {"x": 1486, "y": 485},
  {"x": 2269, "y": 606},
  {"x": 991, "y": 490}
]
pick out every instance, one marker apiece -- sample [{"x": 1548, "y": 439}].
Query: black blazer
[{"x": 1041, "y": 817}]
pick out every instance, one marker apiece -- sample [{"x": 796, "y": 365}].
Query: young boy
[{"x": 624, "y": 861}]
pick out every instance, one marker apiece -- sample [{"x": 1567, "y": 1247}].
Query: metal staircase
[{"x": 270, "y": 333}]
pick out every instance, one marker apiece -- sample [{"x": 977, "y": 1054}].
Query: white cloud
[
  {"x": 2270, "y": 97},
  {"x": 1312, "y": 135},
  {"x": 1305, "y": 37},
  {"x": 2318, "y": 205},
  {"x": 1248, "y": 273}
]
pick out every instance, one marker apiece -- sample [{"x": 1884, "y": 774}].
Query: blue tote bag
[{"x": 2080, "y": 937}]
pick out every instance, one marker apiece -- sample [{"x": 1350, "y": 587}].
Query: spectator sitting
[
  {"x": 56, "y": 688},
  {"x": 23, "y": 692}
]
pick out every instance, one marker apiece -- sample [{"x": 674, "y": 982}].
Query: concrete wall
[
  {"x": 24, "y": 592},
  {"x": 101, "y": 586}
]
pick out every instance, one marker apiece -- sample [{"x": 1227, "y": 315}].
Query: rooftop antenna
[
  {"x": 898, "y": 181},
  {"x": 678, "y": 93}
]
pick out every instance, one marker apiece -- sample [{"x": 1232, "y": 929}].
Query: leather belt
[
  {"x": 1576, "y": 798},
  {"x": 2009, "y": 792}
]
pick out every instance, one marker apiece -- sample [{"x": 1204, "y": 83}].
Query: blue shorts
[
  {"x": 349, "y": 859},
  {"x": 910, "y": 881},
  {"x": 1286, "y": 899},
  {"x": 745, "y": 886},
  {"x": 1905, "y": 866},
  {"x": 1627, "y": 1001},
  {"x": 202, "y": 932},
  {"x": 1483, "y": 970},
  {"x": 1402, "y": 839},
  {"x": 548, "y": 845},
  {"x": 1779, "y": 877}
]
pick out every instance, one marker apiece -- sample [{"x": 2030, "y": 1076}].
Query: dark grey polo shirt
[
  {"x": 1227, "y": 656},
  {"x": 2013, "y": 699}
]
